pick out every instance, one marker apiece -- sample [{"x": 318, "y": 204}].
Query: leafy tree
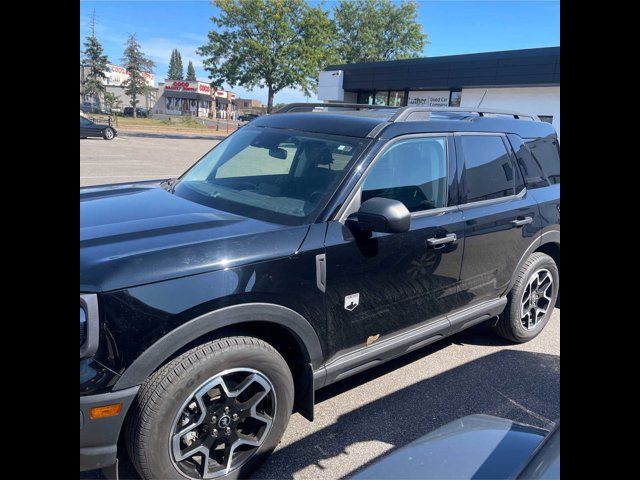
[
  {"x": 377, "y": 30},
  {"x": 136, "y": 63},
  {"x": 273, "y": 44},
  {"x": 111, "y": 101},
  {"x": 175, "y": 66},
  {"x": 191, "y": 72},
  {"x": 96, "y": 63}
]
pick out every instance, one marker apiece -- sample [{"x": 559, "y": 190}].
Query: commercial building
[
  {"x": 249, "y": 105},
  {"x": 115, "y": 77},
  {"x": 183, "y": 97},
  {"x": 225, "y": 104},
  {"x": 526, "y": 81}
]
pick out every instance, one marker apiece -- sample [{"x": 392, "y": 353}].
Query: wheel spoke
[{"x": 199, "y": 429}]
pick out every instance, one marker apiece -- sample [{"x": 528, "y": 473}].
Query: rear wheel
[
  {"x": 217, "y": 411},
  {"x": 531, "y": 300}
]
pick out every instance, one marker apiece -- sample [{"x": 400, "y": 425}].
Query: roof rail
[
  {"x": 403, "y": 114},
  {"x": 308, "y": 107}
]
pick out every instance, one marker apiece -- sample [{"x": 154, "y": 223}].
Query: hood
[{"x": 139, "y": 233}]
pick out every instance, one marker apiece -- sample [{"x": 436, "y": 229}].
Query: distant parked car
[
  {"x": 140, "y": 112},
  {"x": 89, "y": 128},
  {"x": 247, "y": 117},
  {"x": 477, "y": 446},
  {"x": 89, "y": 107}
]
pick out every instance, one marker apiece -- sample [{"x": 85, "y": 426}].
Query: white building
[{"x": 526, "y": 81}]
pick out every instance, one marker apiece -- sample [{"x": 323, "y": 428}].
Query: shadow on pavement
[{"x": 518, "y": 385}]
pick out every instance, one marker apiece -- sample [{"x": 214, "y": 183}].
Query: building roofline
[{"x": 502, "y": 54}]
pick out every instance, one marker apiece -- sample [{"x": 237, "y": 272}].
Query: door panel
[
  {"x": 494, "y": 245},
  {"x": 400, "y": 279},
  {"x": 499, "y": 225},
  {"x": 397, "y": 280}
]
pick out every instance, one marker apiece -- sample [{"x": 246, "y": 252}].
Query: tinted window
[
  {"x": 488, "y": 169},
  {"x": 84, "y": 121},
  {"x": 528, "y": 165},
  {"x": 546, "y": 152},
  {"x": 411, "y": 171},
  {"x": 274, "y": 175}
]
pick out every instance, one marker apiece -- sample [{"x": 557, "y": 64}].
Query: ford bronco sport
[{"x": 308, "y": 246}]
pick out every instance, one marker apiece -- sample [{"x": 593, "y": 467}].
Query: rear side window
[
  {"x": 531, "y": 169},
  {"x": 546, "y": 152},
  {"x": 412, "y": 171},
  {"x": 488, "y": 172}
]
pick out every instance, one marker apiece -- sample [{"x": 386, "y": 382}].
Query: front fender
[{"x": 160, "y": 351}]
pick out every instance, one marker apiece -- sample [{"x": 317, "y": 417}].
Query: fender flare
[
  {"x": 552, "y": 236},
  {"x": 160, "y": 351}
]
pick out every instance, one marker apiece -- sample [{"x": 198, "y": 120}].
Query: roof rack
[
  {"x": 403, "y": 114},
  {"x": 309, "y": 107}
]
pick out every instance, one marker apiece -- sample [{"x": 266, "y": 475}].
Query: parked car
[
  {"x": 247, "y": 117},
  {"x": 302, "y": 249},
  {"x": 493, "y": 447},
  {"x": 140, "y": 112},
  {"x": 88, "y": 128}
]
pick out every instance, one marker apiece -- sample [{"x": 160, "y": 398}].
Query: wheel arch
[
  {"x": 288, "y": 331},
  {"x": 549, "y": 243}
]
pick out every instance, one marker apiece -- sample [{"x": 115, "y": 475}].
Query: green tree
[
  {"x": 176, "y": 72},
  {"x": 136, "y": 63},
  {"x": 378, "y": 30},
  {"x": 273, "y": 44},
  {"x": 191, "y": 72},
  {"x": 95, "y": 62},
  {"x": 111, "y": 101}
]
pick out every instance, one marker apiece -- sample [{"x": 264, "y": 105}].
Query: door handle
[
  {"x": 521, "y": 221},
  {"x": 436, "y": 242}
]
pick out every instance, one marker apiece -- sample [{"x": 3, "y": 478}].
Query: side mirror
[{"x": 381, "y": 215}]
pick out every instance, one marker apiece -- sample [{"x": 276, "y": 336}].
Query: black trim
[
  {"x": 155, "y": 355},
  {"x": 436, "y": 329},
  {"x": 99, "y": 438},
  {"x": 89, "y": 302},
  {"x": 552, "y": 236}
]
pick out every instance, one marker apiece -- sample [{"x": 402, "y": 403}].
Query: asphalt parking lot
[
  {"x": 129, "y": 158},
  {"x": 373, "y": 413}
]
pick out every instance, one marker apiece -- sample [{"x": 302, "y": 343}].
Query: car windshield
[{"x": 280, "y": 176}]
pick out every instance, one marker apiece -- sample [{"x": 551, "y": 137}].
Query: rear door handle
[
  {"x": 435, "y": 242},
  {"x": 519, "y": 222}
]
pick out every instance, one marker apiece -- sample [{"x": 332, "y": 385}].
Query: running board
[{"x": 421, "y": 336}]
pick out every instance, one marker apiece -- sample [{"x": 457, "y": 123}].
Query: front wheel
[
  {"x": 216, "y": 411},
  {"x": 531, "y": 300},
  {"x": 108, "y": 133}
]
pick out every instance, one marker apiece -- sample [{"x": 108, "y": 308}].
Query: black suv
[{"x": 304, "y": 248}]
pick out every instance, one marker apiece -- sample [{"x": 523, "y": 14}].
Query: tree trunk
[
  {"x": 270, "y": 99},
  {"x": 134, "y": 98}
]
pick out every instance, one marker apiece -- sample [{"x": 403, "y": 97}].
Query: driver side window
[{"x": 412, "y": 171}]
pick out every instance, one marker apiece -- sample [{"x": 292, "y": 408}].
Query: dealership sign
[
  {"x": 432, "y": 98},
  {"x": 186, "y": 86}
]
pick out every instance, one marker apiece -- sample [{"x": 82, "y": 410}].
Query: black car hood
[{"x": 139, "y": 233}]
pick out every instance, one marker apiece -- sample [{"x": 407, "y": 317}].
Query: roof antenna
[{"x": 481, "y": 100}]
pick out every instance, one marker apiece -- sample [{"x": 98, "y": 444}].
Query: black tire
[
  {"x": 149, "y": 425},
  {"x": 509, "y": 324},
  {"x": 108, "y": 134}
]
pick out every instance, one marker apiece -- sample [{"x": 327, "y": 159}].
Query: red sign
[{"x": 186, "y": 86}]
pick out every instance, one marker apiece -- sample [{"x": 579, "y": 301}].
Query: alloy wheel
[
  {"x": 536, "y": 299},
  {"x": 222, "y": 424}
]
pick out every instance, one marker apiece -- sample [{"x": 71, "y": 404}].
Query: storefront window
[
  {"x": 455, "y": 98},
  {"x": 382, "y": 98},
  {"x": 365, "y": 97},
  {"x": 396, "y": 98}
]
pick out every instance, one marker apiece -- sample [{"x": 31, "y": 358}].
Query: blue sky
[{"x": 454, "y": 27}]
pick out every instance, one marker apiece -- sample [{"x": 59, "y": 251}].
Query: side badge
[{"x": 351, "y": 301}]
